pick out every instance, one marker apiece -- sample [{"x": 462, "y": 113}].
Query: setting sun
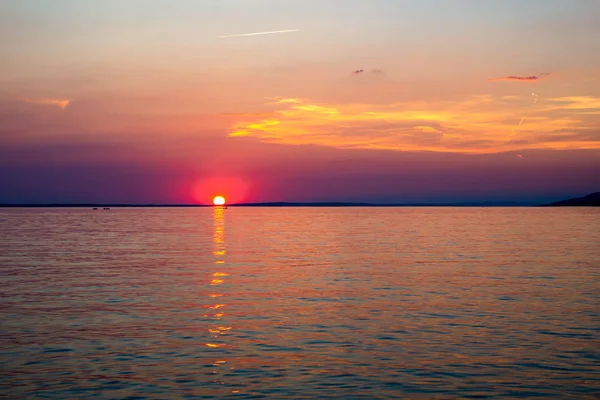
[{"x": 219, "y": 201}]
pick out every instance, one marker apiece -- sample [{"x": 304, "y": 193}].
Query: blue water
[{"x": 354, "y": 303}]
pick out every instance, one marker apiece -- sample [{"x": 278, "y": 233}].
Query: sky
[{"x": 389, "y": 101}]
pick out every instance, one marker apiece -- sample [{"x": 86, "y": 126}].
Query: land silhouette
[{"x": 591, "y": 200}]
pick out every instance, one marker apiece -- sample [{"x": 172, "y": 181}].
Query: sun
[{"x": 219, "y": 201}]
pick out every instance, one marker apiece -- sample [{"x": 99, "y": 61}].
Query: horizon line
[{"x": 273, "y": 204}]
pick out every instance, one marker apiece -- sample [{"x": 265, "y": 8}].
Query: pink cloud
[{"x": 531, "y": 78}]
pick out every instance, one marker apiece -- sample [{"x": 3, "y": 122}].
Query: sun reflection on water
[{"x": 218, "y": 329}]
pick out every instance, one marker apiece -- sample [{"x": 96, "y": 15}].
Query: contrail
[
  {"x": 535, "y": 99},
  {"x": 257, "y": 33}
]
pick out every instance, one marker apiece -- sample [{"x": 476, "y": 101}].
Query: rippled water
[{"x": 300, "y": 303}]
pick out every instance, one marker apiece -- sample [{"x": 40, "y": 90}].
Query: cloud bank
[{"x": 476, "y": 124}]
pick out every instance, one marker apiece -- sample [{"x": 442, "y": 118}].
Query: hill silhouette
[{"x": 591, "y": 200}]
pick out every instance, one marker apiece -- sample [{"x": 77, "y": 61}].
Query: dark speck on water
[{"x": 302, "y": 303}]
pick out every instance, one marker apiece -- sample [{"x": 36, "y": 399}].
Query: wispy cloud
[
  {"x": 476, "y": 124},
  {"x": 259, "y": 114},
  {"x": 373, "y": 71},
  {"x": 257, "y": 33},
  {"x": 531, "y": 78},
  {"x": 583, "y": 104},
  {"x": 50, "y": 102}
]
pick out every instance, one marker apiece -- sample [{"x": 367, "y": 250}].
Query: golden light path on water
[{"x": 217, "y": 329}]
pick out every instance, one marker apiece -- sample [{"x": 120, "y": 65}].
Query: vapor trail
[
  {"x": 535, "y": 99},
  {"x": 257, "y": 33}
]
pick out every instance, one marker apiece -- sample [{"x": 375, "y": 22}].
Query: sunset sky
[{"x": 143, "y": 101}]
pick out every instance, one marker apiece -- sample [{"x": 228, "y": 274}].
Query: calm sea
[{"x": 353, "y": 303}]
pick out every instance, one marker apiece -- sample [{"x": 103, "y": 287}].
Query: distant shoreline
[
  {"x": 591, "y": 200},
  {"x": 281, "y": 205}
]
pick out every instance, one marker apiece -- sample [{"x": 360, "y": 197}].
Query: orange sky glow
[{"x": 189, "y": 95}]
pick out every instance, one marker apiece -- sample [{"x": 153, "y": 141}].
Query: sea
[{"x": 300, "y": 303}]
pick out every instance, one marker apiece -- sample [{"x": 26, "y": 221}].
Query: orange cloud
[
  {"x": 532, "y": 78},
  {"x": 477, "y": 124},
  {"x": 583, "y": 104},
  {"x": 51, "y": 102},
  {"x": 246, "y": 114}
]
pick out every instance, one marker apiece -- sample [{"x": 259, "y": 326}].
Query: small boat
[
  {"x": 106, "y": 208},
  {"x": 95, "y": 208}
]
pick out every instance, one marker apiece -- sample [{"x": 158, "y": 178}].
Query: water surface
[{"x": 355, "y": 303}]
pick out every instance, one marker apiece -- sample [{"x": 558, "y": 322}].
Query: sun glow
[{"x": 219, "y": 201}]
